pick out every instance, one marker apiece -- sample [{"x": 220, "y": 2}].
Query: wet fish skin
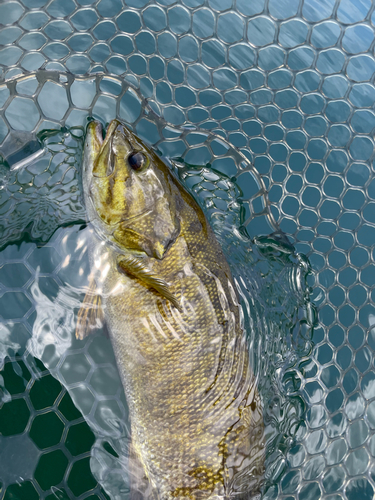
[{"x": 175, "y": 323}]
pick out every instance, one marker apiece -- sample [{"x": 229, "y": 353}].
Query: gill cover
[{"x": 130, "y": 190}]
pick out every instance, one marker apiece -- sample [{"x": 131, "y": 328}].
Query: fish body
[{"x": 173, "y": 316}]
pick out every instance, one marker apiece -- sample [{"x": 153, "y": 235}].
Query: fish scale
[{"x": 196, "y": 415}]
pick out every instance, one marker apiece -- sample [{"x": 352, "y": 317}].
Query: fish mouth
[
  {"x": 104, "y": 141},
  {"x": 114, "y": 126},
  {"x": 111, "y": 129}
]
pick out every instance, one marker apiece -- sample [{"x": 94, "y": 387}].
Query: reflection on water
[
  {"x": 298, "y": 100},
  {"x": 40, "y": 311}
]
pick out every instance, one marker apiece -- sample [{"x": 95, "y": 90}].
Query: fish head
[{"x": 129, "y": 192}]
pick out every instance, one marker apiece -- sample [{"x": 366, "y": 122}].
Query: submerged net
[
  {"x": 42, "y": 192},
  {"x": 290, "y": 85}
]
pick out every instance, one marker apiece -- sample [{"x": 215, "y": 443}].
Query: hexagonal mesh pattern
[
  {"x": 41, "y": 191},
  {"x": 290, "y": 85},
  {"x": 58, "y": 440},
  {"x": 46, "y": 442}
]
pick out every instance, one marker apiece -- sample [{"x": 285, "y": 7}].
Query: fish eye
[{"x": 137, "y": 160}]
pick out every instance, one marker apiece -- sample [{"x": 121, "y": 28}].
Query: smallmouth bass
[{"x": 163, "y": 286}]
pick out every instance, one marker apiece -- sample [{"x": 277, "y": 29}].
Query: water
[
  {"x": 297, "y": 101},
  {"x": 51, "y": 264}
]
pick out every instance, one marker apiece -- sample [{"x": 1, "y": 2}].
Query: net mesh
[{"x": 290, "y": 85}]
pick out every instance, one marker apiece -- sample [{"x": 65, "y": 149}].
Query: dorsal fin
[{"x": 136, "y": 268}]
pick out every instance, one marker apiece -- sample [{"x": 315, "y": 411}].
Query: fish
[{"x": 162, "y": 285}]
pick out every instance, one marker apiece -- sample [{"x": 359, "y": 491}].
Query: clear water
[
  {"x": 290, "y": 86},
  {"x": 45, "y": 283}
]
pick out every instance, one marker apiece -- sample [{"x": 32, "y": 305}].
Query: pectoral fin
[
  {"x": 90, "y": 315},
  {"x": 136, "y": 268}
]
